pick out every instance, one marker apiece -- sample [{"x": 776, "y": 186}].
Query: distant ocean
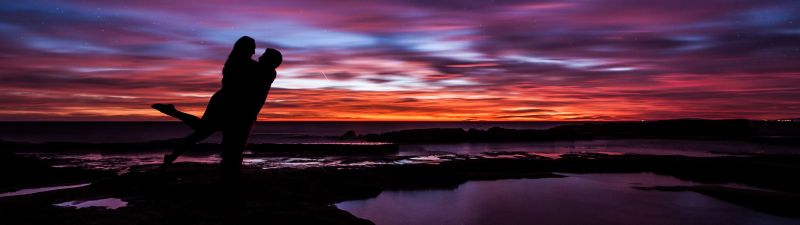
[
  {"x": 315, "y": 132},
  {"x": 264, "y": 132}
]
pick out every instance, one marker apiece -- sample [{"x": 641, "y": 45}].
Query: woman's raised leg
[{"x": 193, "y": 121}]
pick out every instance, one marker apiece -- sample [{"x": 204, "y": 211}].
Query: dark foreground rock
[
  {"x": 785, "y": 133},
  {"x": 773, "y": 202},
  {"x": 195, "y": 193},
  {"x": 309, "y": 148},
  {"x": 17, "y": 172}
]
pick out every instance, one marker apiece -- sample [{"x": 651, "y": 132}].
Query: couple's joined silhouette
[{"x": 233, "y": 109}]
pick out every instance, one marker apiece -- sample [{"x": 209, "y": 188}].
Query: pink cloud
[{"x": 407, "y": 60}]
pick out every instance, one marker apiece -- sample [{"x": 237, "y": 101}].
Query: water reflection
[
  {"x": 698, "y": 148},
  {"x": 419, "y": 153},
  {"x": 122, "y": 162},
  {"x": 114, "y": 161},
  {"x": 578, "y": 199},
  {"x": 107, "y": 203}
]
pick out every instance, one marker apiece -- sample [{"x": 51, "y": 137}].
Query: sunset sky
[{"x": 408, "y": 60}]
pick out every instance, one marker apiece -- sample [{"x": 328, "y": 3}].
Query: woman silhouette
[{"x": 232, "y": 109}]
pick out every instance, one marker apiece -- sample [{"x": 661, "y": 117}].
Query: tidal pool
[
  {"x": 577, "y": 199},
  {"x": 107, "y": 203}
]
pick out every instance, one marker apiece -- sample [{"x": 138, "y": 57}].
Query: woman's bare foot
[
  {"x": 168, "y": 109},
  {"x": 168, "y": 160},
  {"x": 193, "y": 121}
]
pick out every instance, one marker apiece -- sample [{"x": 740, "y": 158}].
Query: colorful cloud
[{"x": 408, "y": 60}]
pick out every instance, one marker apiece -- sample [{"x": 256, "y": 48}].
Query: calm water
[
  {"x": 264, "y": 132},
  {"x": 638, "y": 146},
  {"x": 107, "y": 203},
  {"x": 416, "y": 153},
  {"x": 578, "y": 199},
  {"x": 314, "y": 132}
]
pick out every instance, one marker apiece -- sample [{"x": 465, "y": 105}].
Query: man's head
[{"x": 271, "y": 57}]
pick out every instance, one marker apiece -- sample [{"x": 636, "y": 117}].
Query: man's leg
[{"x": 234, "y": 141}]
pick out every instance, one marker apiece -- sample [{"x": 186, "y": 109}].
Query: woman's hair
[{"x": 244, "y": 48}]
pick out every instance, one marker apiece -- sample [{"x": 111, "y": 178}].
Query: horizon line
[{"x": 398, "y": 121}]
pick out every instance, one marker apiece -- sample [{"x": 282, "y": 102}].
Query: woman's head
[{"x": 245, "y": 47}]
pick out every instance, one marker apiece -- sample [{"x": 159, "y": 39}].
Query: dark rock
[
  {"x": 349, "y": 135},
  {"x": 665, "y": 129},
  {"x": 195, "y": 194},
  {"x": 771, "y": 202}
]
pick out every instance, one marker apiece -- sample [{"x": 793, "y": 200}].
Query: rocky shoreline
[
  {"x": 192, "y": 193},
  {"x": 770, "y": 132},
  {"x": 361, "y": 148}
]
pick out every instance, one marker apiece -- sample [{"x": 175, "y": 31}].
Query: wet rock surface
[{"x": 192, "y": 193}]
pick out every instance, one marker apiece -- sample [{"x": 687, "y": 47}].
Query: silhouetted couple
[{"x": 234, "y": 108}]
